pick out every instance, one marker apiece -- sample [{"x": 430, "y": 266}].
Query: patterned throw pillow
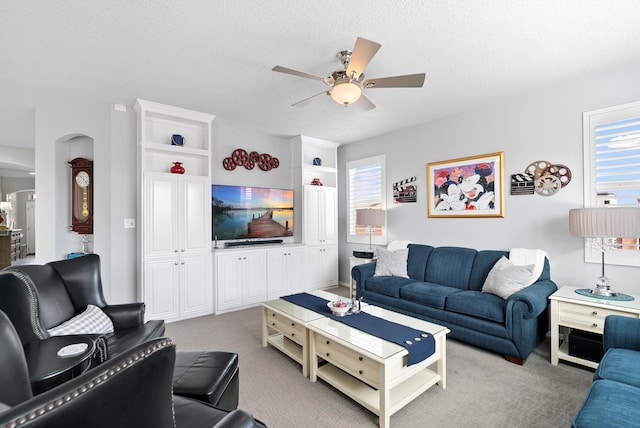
[
  {"x": 392, "y": 263},
  {"x": 505, "y": 278},
  {"x": 91, "y": 321}
]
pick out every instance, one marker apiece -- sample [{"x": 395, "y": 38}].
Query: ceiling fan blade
[
  {"x": 363, "y": 104},
  {"x": 408, "y": 81},
  {"x": 308, "y": 100},
  {"x": 286, "y": 70},
  {"x": 362, "y": 53}
]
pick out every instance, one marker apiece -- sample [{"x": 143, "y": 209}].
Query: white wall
[{"x": 545, "y": 125}]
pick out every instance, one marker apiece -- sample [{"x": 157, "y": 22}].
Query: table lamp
[
  {"x": 370, "y": 218},
  {"x": 602, "y": 228}
]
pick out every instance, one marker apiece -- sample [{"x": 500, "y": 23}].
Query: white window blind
[
  {"x": 617, "y": 162},
  {"x": 365, "y": 182},
  {"x": 612, "y": 170}
]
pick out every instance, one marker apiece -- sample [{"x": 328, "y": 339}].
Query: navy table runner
[{"x": 420, "y": 344}]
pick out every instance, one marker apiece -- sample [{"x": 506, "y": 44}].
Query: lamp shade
[
  {"x": 605, "y": 222},
  {"x": 369, "y": 217}
]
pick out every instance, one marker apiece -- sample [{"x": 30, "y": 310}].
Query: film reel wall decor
[
  {"x": 240, "y": 157},
  {"x": 541, "y": 177}
]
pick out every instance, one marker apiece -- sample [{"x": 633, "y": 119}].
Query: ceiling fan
[{"x": 346, "y": 84}]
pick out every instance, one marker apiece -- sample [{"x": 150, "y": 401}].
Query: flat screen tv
[{"x": 247, "y": 212}]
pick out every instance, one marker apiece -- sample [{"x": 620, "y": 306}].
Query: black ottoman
[{"x": 207, "y": 376}]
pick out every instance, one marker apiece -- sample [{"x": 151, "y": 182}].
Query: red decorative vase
[{"x": 177, "y": 168}]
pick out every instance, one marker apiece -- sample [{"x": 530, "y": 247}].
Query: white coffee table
[{"x": 373, "y": 371}]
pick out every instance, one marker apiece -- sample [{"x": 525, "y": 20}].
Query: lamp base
[{"x": 603, "y": 289}]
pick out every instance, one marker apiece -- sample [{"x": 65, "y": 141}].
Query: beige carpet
[{"x": 483, "y": 390}]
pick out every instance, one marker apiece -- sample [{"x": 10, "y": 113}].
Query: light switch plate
[{"x": 129, "y": 223}]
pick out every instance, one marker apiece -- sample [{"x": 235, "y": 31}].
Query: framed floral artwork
[{"x": 466, "y": 187}]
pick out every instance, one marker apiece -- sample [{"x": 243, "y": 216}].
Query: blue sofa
[
  {"x": 614, "y": 397},
  {"x": 444, "y": 287}
]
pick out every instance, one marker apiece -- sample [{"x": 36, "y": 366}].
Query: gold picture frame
[{"x": 466, "y": 187}]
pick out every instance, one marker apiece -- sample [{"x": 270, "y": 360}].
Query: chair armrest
[
  {"x": 238, "y": 419},
  {"x": 535, "y": 296},
  {"x": 126, "y": 315},
  {"x": 621, "y": 332},
  {"x": 360, "y": 273}
]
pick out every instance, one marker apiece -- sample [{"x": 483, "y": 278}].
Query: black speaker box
[{"x": 586, "y": 345}]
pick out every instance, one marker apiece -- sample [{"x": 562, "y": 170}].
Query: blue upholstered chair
[{"x": 614, "y": 397}]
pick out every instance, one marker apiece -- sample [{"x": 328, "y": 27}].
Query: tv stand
[{"x": 248, "y": 242}]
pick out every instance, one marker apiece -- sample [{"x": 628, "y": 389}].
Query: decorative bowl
[{"x": 339, "y": 308}]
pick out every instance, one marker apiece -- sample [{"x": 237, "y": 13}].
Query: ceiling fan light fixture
[{"x": 345, "y": 93}]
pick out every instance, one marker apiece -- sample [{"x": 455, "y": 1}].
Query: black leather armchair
[
  {"x": 39, "y": 297},
  {"x": 130, "y": 390}
]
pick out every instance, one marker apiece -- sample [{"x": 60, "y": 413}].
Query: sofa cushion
[
  {"x": 387, "y": 285},
  {"x": 450, "y": 266},
  {"x": 91, "y": 321},
  {"x": 477, "y": 304},
  {"x": 505, "y": 278},
  {"x": 392, "y": 263},
  {"x": 417, "y": 260},
  {"x": 620, "y": 365},
  {"x": 609, "y": 404},
  {"x": 425, "y": 293}
]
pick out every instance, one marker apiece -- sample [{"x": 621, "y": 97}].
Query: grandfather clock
[{"x": 82, "y": 196}]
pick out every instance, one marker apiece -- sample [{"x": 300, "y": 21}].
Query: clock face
[{"x": 82, "y": 179}]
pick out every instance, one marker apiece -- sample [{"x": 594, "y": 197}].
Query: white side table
[
  {"x": 571, "y": 310},
  {"x": 355, "y": 261}
]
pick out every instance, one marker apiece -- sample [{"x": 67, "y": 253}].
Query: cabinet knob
[
  {"x": 182, "y": 263},
  {"x": 327, "y": 354},
  {"x": 293, "y": 324},
  {"x": 595, "y": 324},
  {"x": 182, "y": 250},
  {"x": 175, "y": 263},
  {"x": 273, "y": 323},
  {"x": 360, "y": 371},
  {"x": 328, "y": 342},
  {"x": 360, "y": 358},
  {"x": 273, "y": 315},
  {"x": 594, "y": 313},
  {"x": 293, "y": 334},
  {"x": 175, "y": 251}
]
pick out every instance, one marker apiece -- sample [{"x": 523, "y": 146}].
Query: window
[
  {"x": 612, "y": 169},
  {"x": 365, "y": 189}
]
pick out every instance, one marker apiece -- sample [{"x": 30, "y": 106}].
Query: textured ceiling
[{"x": 216, "y": 56}]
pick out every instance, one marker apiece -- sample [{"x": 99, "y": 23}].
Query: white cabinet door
[
  {"x": 229, "y": 280},
  {"x": 320, "y": 214},
  {"x": 161, "y": 288},
  {"x": 321, "y": 266},
  {"x": 241, "y": 279},
  {"x": 284, "y": 272},
  {"x": 255, "y": 277},
  {"x": 196, "y": 214},
  {"x": 160, "y": 231},
  {"x": 195, "y": 285}
]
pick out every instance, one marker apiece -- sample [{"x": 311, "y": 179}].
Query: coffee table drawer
[
  {"x": 289, "y": 328},
  {"x": 583, "y": 317},
  {"x": 350, "y": 361}
]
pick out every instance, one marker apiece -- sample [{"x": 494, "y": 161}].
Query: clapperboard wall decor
[
  {"x": 522, "y": 184},
  {"x": 405, "y": 191}
]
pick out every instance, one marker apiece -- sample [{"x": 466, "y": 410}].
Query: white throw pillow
[
  {"x": 392, "y": 263},
  {"x": 92, "y": 321},
  {"x": 505, "y": 278}
]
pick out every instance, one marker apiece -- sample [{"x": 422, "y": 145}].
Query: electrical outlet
[{"x": 129, "y": 223}]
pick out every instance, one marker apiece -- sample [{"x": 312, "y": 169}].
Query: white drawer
[
  {"x": 348, "y": 360},
  {"x": 584, "y": 317},
  {"x": 288, "y": 327}
]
